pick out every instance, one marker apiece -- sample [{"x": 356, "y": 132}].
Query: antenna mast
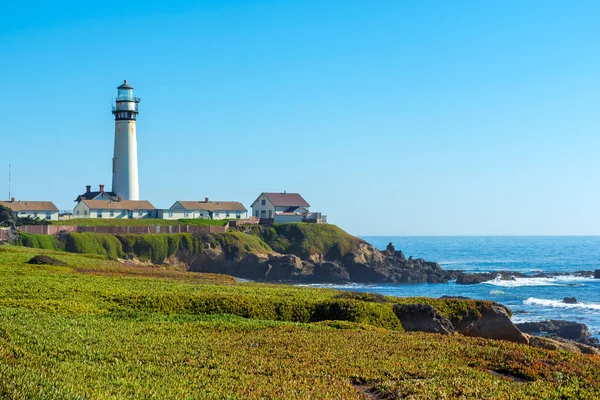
[{"x": 9, "y": 183}]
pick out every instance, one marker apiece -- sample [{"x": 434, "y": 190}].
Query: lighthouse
[{"x": 125, "y": 163}]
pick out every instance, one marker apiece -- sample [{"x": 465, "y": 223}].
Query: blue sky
[{"x": 391, "y": 117}]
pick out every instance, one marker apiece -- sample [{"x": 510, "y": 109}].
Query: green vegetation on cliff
[
  {"x": 133, "y": 332},
  {"x": 308, "y": 240},
  {"x": 302, "y": 240}
]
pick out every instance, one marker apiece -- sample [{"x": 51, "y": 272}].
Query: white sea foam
[
  {"x": 496, "y": 292},
  {"x": 341, "y": 286},
  {"x": 560, "y": 280},
  {"x": 532, "y": 301}
]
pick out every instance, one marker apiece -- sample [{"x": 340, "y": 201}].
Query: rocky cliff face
[{"x": 363, "y": 263}]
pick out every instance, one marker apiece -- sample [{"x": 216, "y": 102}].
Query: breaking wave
[
  {"x": 561, "y": 280},
  {"x": 532, "y": 301}
]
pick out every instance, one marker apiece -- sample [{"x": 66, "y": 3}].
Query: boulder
[
  {"x": 422, "y": 318},
  {"x": 330, "y": 272},
  {"x": 493, "y": 323},
  {"x": 471, "y": 279},
  {"x": 597, "y": 274},
  {"x": 390, "y": 249},
  {"x": 560, "y": 344},
  {"x": 562, "y": 329},
  {"x": 570, "y": 300}
]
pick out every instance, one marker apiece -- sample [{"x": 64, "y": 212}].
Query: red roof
[{"x": 286, "y": 200}]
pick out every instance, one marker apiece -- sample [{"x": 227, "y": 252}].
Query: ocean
[{"x": 530, "y": 299}]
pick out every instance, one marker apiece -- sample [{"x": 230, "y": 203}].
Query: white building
[
  {"x": 125, "y": 162},
  {"x": 284, "y": 207},
  {"x": 32, "y": 209},
  {"x": 124, "y": 209},
  {"x": 206, "y": 209}
]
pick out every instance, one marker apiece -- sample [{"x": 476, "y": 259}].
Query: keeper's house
[
  {"x": 284, "y": 207},
  {"x": 123, "y": 209},
  {"x": 206, "y": 209},
  {"x": 32, "y": 209}
]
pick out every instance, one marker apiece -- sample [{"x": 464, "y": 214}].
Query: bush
[
  {"x": 94, "y": 243},
  {"x": 158, "y": 247},
  {"x": 39, "y": 241}
]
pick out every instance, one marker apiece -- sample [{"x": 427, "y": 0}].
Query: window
[
  {"x": 227, "y": 214},
  {"x": 256, "y": 214},
  {"x": 270, "y": 214},
  {"x": 99, "y": 214},
  {"x": 263, "y": 202},
  {"x": 170, "y": 213},
  {"x": 187, "y": 214},
  {"x": 34, "y": 215},
  {"x": 216, "y": 215},
  {"x": 85, "y": 212},
  {"x": 238, "y": 214},
  {"x": 112, "y": 213},
  {"x": 48, "y": 215},
  {"x": 76, "y": 212},
  {"x": 140, "y": 213}
]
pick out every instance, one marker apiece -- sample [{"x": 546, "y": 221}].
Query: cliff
[{"x": 283, "y": 253}]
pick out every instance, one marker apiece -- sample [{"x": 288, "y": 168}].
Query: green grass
[
  {"x": 97, "y": 329},
  {"x": 138, "y": 222}
]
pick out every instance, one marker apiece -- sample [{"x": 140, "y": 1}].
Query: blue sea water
[{"x": 530, "y": 299}]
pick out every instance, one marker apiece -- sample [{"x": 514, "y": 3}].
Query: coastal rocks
[
  {"x": 560, "y": 329},
  {"x": 555, "y": 344},
  {"x": 570, "y": 300},
  {"x": 472, "y": 279},
  {"x": 494, "y": 323},
  {"x": 597, "y": 274},
  {"x": 422, "y": 318},
  {"x": 330, "y": 272}
]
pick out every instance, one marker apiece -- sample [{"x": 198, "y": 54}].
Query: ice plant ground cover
[{"x": 98, "y": 329}]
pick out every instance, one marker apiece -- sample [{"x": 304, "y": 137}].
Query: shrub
[
  {"x": 94, "y": 243},
  {"x": 39, "y": 241}
]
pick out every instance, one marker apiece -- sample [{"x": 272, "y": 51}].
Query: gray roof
[
  {"x": 286, "y": 199},
  {"x": 125, "y": 85}
]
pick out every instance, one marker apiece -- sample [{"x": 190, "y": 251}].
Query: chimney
[
  {"x": 88, "y": 188},
  {"x": 206, "y": 199},
  {"x": 101, "y": 188},
  {"x": 119, "y": 198},
  {"x": 12, "y": 199}
]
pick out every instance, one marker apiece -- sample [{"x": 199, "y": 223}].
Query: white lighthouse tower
[{"x": 125, "y": 163}]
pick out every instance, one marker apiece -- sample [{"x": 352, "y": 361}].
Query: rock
[
  {"x": 562, "y": 329},
  {"x": 46, "y": 260},
  {"x": 494, "y": 323},
  {"x": 456, "y": 297},
  {"x": 330, "y": 272},
  {"x": 422, "y": 318},
  {"x": 597, "y": 274},
  {"x": 471, "y": 279},
  {"x": 553, "y": 344},
  {"x": 399, "y": 255},
  {"x": 570, "y": 300},
  {"x": 390, "y": 249}
]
